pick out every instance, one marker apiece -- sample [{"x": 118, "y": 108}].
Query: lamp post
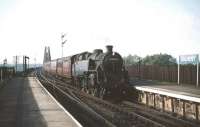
[{"x": 63, "y": 42}]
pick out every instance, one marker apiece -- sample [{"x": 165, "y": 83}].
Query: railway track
[
  {"x": 85, "y": 115},
  {"x": 160, "y": 116},
  {"x": 114, "y": 114}
]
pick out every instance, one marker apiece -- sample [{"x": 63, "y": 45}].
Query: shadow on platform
[{"x": 19, "y": 105}]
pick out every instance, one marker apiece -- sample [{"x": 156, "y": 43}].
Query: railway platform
[
  {"x": 185, "y": 92},
  {"x": 24, "y": 102},
  {"x": 182, "y": 100}
]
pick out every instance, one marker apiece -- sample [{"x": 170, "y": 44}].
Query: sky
[{"x": 142, "y": 27}]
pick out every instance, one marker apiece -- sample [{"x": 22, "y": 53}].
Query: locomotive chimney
[{"x": 109, "y": 48}]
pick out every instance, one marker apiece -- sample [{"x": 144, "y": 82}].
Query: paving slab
[{"x": 25, "y": 103}]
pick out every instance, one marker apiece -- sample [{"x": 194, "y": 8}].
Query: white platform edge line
[
  {"x": 59, "y": 104},
  {"x": 172, "y": 91},
  {"x": 178, "y": 96}
]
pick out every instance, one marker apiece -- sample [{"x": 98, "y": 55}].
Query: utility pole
[{"x": 35, "y": 62}]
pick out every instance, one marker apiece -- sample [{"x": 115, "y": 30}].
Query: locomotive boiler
[{"x": 101, "y": 74}]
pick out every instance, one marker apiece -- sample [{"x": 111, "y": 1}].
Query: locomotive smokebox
[{"x": 109, "y": 48}]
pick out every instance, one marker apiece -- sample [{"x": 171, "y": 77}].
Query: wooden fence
[{"x": 164, "y": 73}]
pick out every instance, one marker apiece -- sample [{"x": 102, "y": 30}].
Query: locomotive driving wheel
[
  {"x": 94, "y": 92},
  {"x": 102, "y": 93}
]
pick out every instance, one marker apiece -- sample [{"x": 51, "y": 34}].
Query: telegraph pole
[{"x": 16, "y": 64}]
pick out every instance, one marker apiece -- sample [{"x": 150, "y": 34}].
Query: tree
[
  {"x": 159, "y": 59},
  {"x": 131, "y": 60}
]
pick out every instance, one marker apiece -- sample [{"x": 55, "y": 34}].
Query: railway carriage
[
  {"x": 53, "y": 67},
  {"x": 67, "y": 67},
  {"x": 59, "y": 67}
]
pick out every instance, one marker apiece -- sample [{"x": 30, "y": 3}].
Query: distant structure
[
  {"x": 21, "y": 63},
  {"x": 47, "y": 54},
  {"x": 25, "y": 63},
  {"x": 5, "y": 62}
]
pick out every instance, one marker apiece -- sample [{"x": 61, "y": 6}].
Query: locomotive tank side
[
  {"x": 80, "y": 67},
  {"x": 80, "y": 64}
]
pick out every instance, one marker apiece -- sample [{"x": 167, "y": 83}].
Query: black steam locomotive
[{"x": 101, "y": 74}]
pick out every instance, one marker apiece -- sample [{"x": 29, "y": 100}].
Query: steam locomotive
[{"x": 100, "y": 74}]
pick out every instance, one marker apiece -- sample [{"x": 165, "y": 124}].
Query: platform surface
[
  {"x": 186, "y": 92},
  {"x": 25, "y": 103}
]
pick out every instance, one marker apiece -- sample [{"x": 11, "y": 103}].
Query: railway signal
[{"x": 63, "y": 42}]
